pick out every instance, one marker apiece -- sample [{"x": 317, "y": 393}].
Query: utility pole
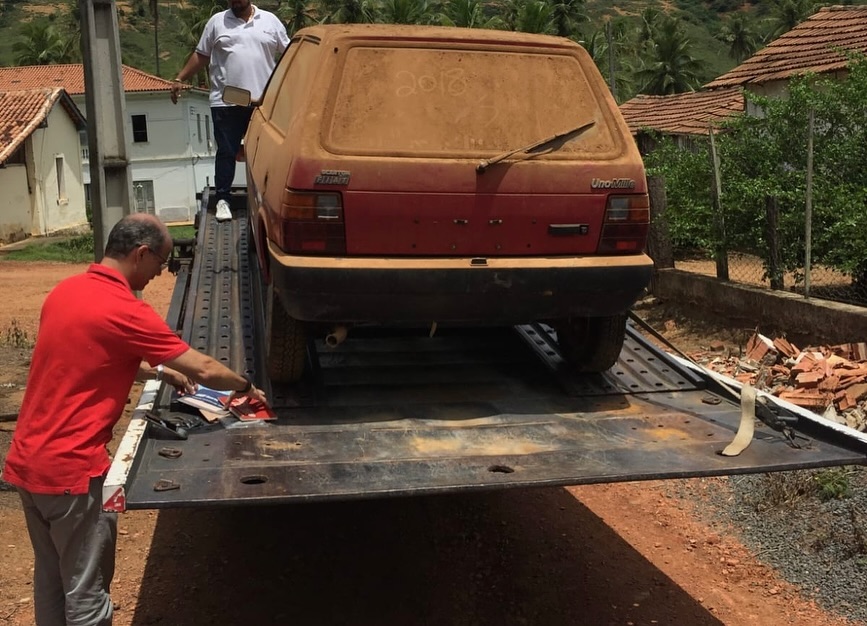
[{"x": 110, "y": 178}]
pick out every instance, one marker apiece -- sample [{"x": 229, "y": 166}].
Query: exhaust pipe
[{"x": 336, "y": 336}]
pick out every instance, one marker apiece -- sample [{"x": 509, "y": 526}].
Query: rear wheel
[
  {"x": 591, "y": 344},
  {"x": 285, "y": 342}
]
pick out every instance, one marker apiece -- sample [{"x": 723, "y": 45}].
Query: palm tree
[
  {"x": 349, "y": 11},
  {"x": 670, "y": 67},
  {"x": 297, "y": 14},
  {"x": 786, "y": 14},
  {"x": 467, "y": 14},
  {"x": 193, "y": 19},
  {"x": 535, "y": 16},
  {"x": 567, "y": 15},
  {"x": 650, "y": 19},
  {"x": 403, "y": 11},
  {"x": 41, "y": 44},
  {"x": 740, "y": 37}
]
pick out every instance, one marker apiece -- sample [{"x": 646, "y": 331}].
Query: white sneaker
[{"x": 223, "y": 211}]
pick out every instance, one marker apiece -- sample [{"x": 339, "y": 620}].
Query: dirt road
[{"x": 622, "y": 554}]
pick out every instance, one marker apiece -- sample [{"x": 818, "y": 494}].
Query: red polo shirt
[{"x": 93, "y": 335}]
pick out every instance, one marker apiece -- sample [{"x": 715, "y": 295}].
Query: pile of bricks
[{"x": 828, "y": 380}]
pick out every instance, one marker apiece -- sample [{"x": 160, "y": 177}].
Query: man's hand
[
  {"x": 177, "y": 86},
  {"x": 181, "y": 382},
  {"x": 254, "y": 392}
]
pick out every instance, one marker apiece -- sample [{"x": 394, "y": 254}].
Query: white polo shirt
[{"x": 243, "y": 54}]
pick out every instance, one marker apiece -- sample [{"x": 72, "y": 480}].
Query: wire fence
[
  {"x": 748, "y": 269},
  {"x": 762, "y": 268}
]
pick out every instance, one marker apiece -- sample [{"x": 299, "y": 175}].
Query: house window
[
  {"x": 61, "y": 179},
  {"x": 139, "y": 128},
  {"x": 143, "y": 195},
  {"x": 199, "y": 127},
  {"x": 85, "y": 148}
]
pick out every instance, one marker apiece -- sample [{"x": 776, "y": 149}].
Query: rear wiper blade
[{"x": 537, "y": 146}]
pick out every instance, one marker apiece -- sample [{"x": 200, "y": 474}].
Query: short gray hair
[{"x": 133, "y": 231}]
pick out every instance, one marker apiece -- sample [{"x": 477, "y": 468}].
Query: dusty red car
[{"x": 412, "y": 175}]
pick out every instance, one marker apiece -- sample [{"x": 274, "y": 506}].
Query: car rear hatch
[{"x": 411, "y": 136}]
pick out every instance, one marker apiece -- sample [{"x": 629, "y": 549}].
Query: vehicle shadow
[{"x": 530, "y": 556}]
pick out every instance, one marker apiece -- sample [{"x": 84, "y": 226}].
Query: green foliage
[
  {"x": 833, "y": 484},
  {"x": 767, "y": 156},
  {"x": 669, "y": 66}
]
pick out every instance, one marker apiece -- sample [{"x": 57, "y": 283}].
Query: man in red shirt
[{"x": 94, "y": 337}]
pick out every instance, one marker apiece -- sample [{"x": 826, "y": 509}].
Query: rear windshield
[{"x": 429, "y": 102}]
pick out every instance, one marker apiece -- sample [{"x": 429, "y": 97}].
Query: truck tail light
[
  {"x": 312, "y": 223},
  {"x": 627, "y": 221}
]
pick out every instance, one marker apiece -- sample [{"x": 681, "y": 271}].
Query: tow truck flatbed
[{"x": 400, "y": 412}]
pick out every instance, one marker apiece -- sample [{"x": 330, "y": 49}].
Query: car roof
[{"x": 432, "y": 33}]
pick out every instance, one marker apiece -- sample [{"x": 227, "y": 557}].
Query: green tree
[
  {"x": 786, "y": 14},
  {"x": 669, "y": 67},
  {"x": 297, "y": 14},
  {"x": 349, "y": 11},
  {"x": 567, "y": 15},
  {"x": 467, "y": 14},
  {"x": 404, "y": 12},
  {"x": 535, "y": 16},
  {"x": 193, "y": 18},
  {"x": 740, "y": 37},
  {"x": 41, "y": 43},
  {"x": 767, "y": 156}
]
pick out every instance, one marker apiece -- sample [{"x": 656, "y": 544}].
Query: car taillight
[
  {"x": 312, "y": 223},
  {"x": 627, "y": 220}
]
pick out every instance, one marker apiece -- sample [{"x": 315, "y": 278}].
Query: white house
[
  {"x": 40, "y": 164},
  {"x": 171, "y": 147}
]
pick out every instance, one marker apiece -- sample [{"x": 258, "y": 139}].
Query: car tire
[
  {"x": 591, "y": 344},
  {"x": 285, "y": 342}
]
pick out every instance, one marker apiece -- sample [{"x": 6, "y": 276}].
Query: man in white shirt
[{"x": 241, "y": 46}]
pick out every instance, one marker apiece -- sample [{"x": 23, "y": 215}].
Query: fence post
[
  {"x": 772, "y": 223},
  {"x": 808, "y": 209},
  {"x": 659, "y": 240},
  {"x": 720, "y": 249}
]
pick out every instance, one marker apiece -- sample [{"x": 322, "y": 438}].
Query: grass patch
[
  {"x": 183, "y": 232},
  {"x": 78, "y": 249}
]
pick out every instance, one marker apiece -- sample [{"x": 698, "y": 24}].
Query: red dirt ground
[{"x": 628, "y": 553}]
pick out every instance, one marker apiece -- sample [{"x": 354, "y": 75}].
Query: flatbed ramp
[{"x": 400, "y": 412}]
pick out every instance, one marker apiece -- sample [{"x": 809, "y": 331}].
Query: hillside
[{"x": 703, "y": 22}]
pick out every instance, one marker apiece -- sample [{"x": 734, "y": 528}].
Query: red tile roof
[
  {"x": 71, "y": 78},
  {"x": 683, "y": 113},
  {"x": 21, "y": 112},
  {"x": 814, "y": 45}
]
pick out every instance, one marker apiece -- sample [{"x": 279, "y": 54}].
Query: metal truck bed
[{"x": 399, "y": 412}]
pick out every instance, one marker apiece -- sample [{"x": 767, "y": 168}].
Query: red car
[{"x": 419, "y": 175}]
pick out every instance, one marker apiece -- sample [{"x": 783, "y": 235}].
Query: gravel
[{"x": 810, "y": 525}]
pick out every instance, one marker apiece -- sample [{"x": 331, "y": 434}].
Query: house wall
[
  {"x": 57, "y": 176},
  {"x": 177, "y": 159},
  {"x": 14, "y": 204}
]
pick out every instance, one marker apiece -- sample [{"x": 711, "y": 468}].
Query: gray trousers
[{"x": 73, "y": 545}]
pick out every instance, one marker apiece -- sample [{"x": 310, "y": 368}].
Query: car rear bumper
[{"x": 491, "y": 291}]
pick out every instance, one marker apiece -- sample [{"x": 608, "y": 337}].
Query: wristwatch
[
  {"x": 247, "y": 387},
  {"x": 159, "y": 372}
]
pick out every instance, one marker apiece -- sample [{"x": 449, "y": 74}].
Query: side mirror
[{"x": 237, "y": 96}]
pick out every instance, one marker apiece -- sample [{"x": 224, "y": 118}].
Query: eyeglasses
[{"x": 164, "y": 261}]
